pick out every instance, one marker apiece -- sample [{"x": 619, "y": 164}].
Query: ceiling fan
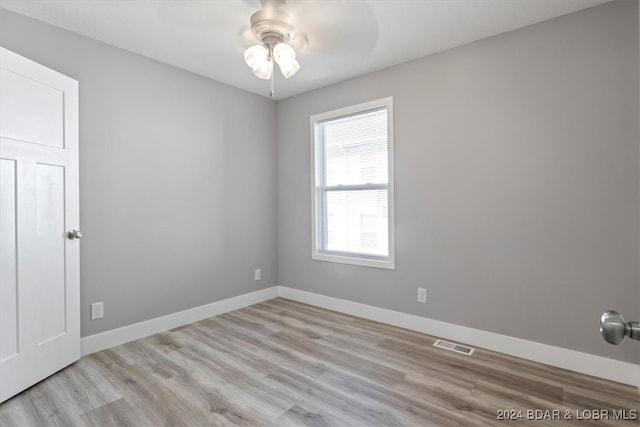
[{"x": 274, "y": 30}]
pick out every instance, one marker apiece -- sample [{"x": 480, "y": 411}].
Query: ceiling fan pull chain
[{"x": 272, "y": 92}]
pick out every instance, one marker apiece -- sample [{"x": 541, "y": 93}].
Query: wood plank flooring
[{"x": 283, "y": 363}]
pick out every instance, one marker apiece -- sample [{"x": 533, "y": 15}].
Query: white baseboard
[
  {"x": 114, "y": 337},
  {"x": 602, "y": 367}
]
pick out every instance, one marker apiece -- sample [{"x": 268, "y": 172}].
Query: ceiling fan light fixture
[
  {"x": 289, "y": 69},
  {"x": 273, "y": 28},
  {"x": 284, "y": 54},
  {"x": 259, "y": 60},
  {"x": 256, "y": 55},
  {"x": 264, "y": 69}
]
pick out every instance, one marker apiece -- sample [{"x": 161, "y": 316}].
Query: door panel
[
  {"x": 50, "y": 249},
  {"x": 8, "y": 261},
  {"x": 40, "y": 279},
  {"x": 31, "y": 111}
]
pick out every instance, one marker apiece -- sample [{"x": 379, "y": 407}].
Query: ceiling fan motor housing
[{"x": 271, "y": 26}]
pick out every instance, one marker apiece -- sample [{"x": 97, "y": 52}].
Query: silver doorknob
[
  {"x": 74, "y": 234},
  {"x": 614, "y": 328}
]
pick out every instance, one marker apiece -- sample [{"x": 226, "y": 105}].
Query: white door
[{"x": 39, "y": 263}]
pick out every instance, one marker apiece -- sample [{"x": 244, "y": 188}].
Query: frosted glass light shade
[
  {"x": 264, "y": 69},
  {"x": 257, "y": 57},
  {"x": 289, "y": 69},
  {"x": 285, "y": 56}
]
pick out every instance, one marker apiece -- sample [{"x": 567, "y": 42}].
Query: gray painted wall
[
  {"x": 517, "y": 183},
  {"x": 177, "y": 178}
]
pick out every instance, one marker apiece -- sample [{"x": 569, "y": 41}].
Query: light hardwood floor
[{"x": 283, "y": 363}]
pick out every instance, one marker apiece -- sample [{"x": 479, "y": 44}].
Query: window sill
[{"x": 387, "y": 264}]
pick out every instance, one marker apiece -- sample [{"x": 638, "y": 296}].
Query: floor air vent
[{"x": 462, "y": 349}]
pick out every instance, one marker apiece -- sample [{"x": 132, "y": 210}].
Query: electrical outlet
[
  {"x": 97, "y": 310},
  {"x": 257, "y": 274},
  {"x": 422, "y": 295}
]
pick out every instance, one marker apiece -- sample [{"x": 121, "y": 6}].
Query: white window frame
[{"x": 318, "y": 252}]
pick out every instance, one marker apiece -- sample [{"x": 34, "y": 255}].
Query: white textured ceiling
[{"x": 347, "y": 38}]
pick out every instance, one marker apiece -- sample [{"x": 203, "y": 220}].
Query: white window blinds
[{"x": 356, "y": 149}]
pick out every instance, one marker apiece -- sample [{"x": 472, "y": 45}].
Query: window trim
[{"x": 317, "y": 224}]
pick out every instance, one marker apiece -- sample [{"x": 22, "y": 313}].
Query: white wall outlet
[
  {"x": 97, "y": 310},
  {"x": 257, "y": 274},
  {"x": 422, "y": 295}
]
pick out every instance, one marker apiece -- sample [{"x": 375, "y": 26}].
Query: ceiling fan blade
[
  {"x": 200, "y": 16},
  {"x": 347, "y": 29}
]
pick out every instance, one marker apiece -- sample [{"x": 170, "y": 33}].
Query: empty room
[{"x": 319, "y": 213}]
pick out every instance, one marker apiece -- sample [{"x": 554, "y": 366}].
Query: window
[{"x": 352, "y": 183}]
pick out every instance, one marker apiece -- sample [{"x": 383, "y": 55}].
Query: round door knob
[
  {"x": 613, "y": 327},
  {"x": 74, "y": 234}
]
